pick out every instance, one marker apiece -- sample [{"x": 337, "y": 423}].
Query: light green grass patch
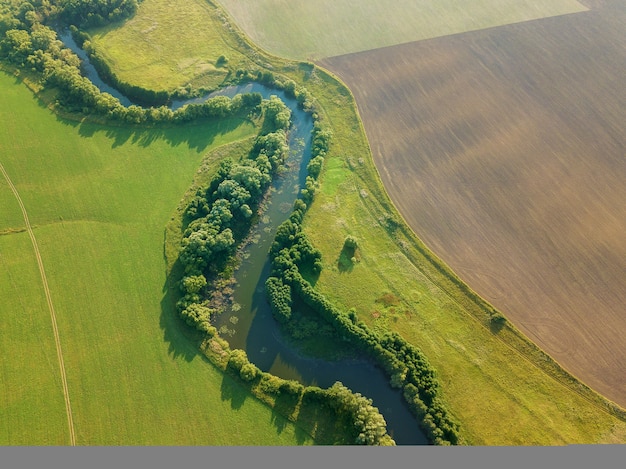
[
  {"x": 302, "y": 29},
  {"x": 32, "y": 410},
  {"x": 168, "y": 45},
  {"x": 99, "y": 199}
]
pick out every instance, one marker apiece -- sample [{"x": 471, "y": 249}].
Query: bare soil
[{"x": 505, "y": 151}]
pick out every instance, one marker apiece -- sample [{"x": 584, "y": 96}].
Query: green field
[
  {"x": 99, "y": 199},
  {"x": 163, "y": 60},
  {"x": 324, "y": 28}
]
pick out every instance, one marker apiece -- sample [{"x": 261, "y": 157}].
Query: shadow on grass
[
  {"x": 316, "y": 419},
  {"x": 234, "y": 391},
  {"x": 285, "y": 406},
  {"x": 497, "y": 324},
  {"x": 197, "y": 135},
  {"x": 183, "y": 341},
  {"x": 345, "y": 262}
]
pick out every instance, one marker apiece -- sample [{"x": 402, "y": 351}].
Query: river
[{"x": 250, "y": 323}]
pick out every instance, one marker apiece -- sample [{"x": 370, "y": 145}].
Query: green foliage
[
  {"x": 86, "y": 13},
  {"x": 279, "y": 297},
  {"x": 237, "y": 359},
  {"x": 249, "y": 372},
  {"x": 277, "y": 113},
  {"x": 221, "y": 61},
  {"x": 197, "y": 315},
  {"x": 193, "y": 284},
  {"x": 314, "y": 168},
  {"x": 370, "y": 425},
  {"x": 350, "y": 242}
]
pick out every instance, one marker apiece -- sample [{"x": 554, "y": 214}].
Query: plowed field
[{"x": 505, "y": 150}]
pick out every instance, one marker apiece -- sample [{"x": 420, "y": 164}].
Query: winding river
[{"x": 249, "y": 324}]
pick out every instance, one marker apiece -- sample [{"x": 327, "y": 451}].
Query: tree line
[
  {"x": 407, "y": 368},
  {"x": 217, "y": 219}
]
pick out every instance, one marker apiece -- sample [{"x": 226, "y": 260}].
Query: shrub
[{"x": 248, "y": 372}]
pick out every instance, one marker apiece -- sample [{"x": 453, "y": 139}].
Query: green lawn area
[
  {"x": 302, "y": 29},
  {"x": 172, "y": 45},
  {"x": 99, "y": 199}
]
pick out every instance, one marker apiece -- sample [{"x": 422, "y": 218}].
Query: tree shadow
[
  {"x": 197, "y": 135},
  {"x": 284, "y": 406},
  {"x": 345, "y": 261},
  {"x": 183, "y": 341},
  {"x": 233, "y": 391},
  {"x": 317, "y": 421},
  {"x": 496, "y": 324}
]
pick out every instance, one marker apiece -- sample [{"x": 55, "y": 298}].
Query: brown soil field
[{"x": 505, "y": 151}]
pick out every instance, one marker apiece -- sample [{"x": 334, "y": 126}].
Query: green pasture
[
  {"x": 99, "y": 199},
  {"x": 304, "y": 29},
  {"x": 169, "y": 45}
]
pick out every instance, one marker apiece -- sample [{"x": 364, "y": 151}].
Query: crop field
[
  {"x": 98, "y": 199},
  {"x": 504, "y": 151},
  {"x": 314, "y": 29}
]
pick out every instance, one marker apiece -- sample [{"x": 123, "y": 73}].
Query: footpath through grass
[{"x": 99, "y": 199}]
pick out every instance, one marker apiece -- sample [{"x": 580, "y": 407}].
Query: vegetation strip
[{"x": 44, "y": 280}]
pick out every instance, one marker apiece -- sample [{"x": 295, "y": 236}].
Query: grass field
[
  {"x": 504, "y": 150},
  {"x": 324, "y": 28},
  {"x": 162, "y": 59},
  {"x": 99, "y": 199}
]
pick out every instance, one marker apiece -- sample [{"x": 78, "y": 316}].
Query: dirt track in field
[
  {"x": 53, "y": 318},
  {"x": 505, "y": 151}
]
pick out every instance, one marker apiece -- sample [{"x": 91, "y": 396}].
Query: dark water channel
[{"x": 249, "y": 324}]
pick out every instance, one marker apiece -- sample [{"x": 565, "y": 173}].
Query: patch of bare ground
[{"x": 505, "y": 151}]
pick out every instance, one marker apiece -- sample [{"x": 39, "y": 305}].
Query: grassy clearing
[
  {"x": 99, "y": 199},
  {"x": 498, "y": 395},
  {"x": 324, "y": 28},
  {"x": 171, "y": 46}
]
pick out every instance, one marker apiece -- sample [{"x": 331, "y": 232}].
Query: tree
[{"x": 350, "y": 242}]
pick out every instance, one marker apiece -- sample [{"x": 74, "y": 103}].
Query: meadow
[
  {"x": 99, "y": 199},
  {"x": 162, "y": 59},
  {"x": 325, "y": 28}
]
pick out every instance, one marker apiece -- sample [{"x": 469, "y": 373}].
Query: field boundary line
[
  {"x": 44, "y": 279},
  {"x": 615, "y": 413}
]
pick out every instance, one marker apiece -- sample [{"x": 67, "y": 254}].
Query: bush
[
  {"x": 350, "y": 242},
  {"x": 248, "y": 372}
]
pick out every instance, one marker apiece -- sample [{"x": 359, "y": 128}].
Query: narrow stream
[{"x": 249, "y": 324}]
